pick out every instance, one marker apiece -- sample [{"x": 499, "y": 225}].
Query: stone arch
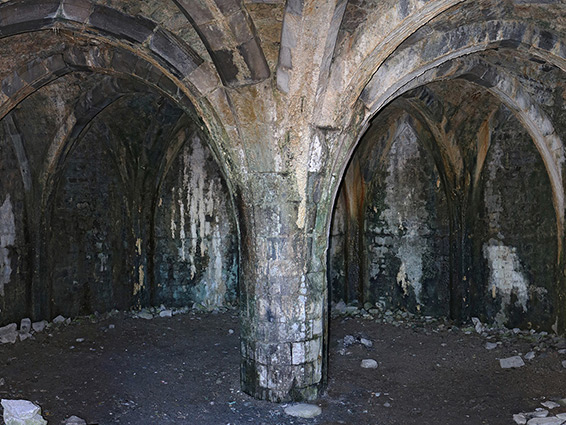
[
  {"x": 440, "y": 62},
  {"x": 228, "y": 33},
  {"x": 195, "y": 89}
]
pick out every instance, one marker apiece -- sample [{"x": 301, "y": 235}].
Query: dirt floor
[{"x": 184, "y": 370}]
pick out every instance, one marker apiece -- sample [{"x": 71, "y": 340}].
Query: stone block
[
  {"x": 255, "y": 59},
  {"x": 307, "y": 411},
  {"x": 39, "y": 326},
  {"x": 22, "y": 412},
  {"x": 74, "y": 420},
  {"x": 24, "y": 16},
  {"x": 25, "y": 326},
  {"x": 241, "y": 27},
  {"x": 196, "y": 11},
  {"x": 76, "y": 10},
  {"x": 9, "y": 334},
  {"x": 204, "y": 79},
  {"x": 136, "y": 29},
  {"x": 511, "y": 362},
  {"x": 175, "y": 52},
  {"x": 12, "y": 85},
  {"x": 228, "y": 7}
]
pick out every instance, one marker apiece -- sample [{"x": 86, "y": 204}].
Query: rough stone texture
[
  {"x": 306, "y": 411},
  {"x": 98, "y": 97},
  {"x": 22, "y": 412}
]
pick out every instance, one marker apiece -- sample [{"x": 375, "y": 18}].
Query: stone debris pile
[
  {"x": 10, "y": 333},
  {"x": 542, "y": 416}
]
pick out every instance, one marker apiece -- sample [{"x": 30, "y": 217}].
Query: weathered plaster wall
[
  {"x": 14, "y": 264},
  {"x": 111, "y": 198},
  {"x": 517, "y": 229},
  {"x": 403, "y": 257},
  {"x": 196, "y": 254}
]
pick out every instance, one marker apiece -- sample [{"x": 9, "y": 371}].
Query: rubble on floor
[
  {"x": 496, "y": 339},
  {"x": 10, "y": 333},
  {"x": 302, "y": 410}
]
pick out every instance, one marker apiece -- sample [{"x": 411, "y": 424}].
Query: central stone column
[{"x": 283, "y": 293}]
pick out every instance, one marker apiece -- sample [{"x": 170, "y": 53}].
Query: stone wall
[
  {"x": 404, "y": 251},
  {"x": 134, "y": 212}
]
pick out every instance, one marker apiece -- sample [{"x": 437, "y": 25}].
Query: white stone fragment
[
  {"x": 303, "y": 410},
  {"x": 22, "y": 412},
  {"x": 25, "y": 326},
  {"x": 511, "y": 362},
  {"x": 539, "y": 413},
  {"x": 561, "y": 416},
  {"x": 59, "y": 319},
  {"x": 39, "y": 326},
  {"x": 490, "y": 345},
  {"x": 74, "y": 420},
  {"x": 564, "y": 363},
  {"x": 144, "y": 315},
  {"x": 369, "y": 364},
  {"x": 9, "y": 333},
  {"x": 550, "y": 404},
  {"x": 366, "y": 342},
  {"x": 477, "y": 325},
  {"x": 520, "y": 419},
  {"x": 23, "y": 337},
  {"x": 546, "y": 421},
  {"x": 166, "y": 313},
  {"x": 530, "y": 355}
]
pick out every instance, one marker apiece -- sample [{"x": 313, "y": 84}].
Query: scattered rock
[
  {"x": 539, "y": 413},
  {"x": 340, "y": 307},
  {"x": 546, "y": 421},
  {"x": 25, "y": 336},
  {"x": 511, "y": 362},
  {"x": 230, "y": 331},
  {"x": 520, "y": 419},
  {"x": 477, "y": 325},
  {"x": 349, "y": 340},
  {"x": 564, "y": 363},
  {"x": 366, "y": 342},
  {"x": 2, "y": 382},
  {"x": 39, "y": 326},
  {"x": 490, "y": 345},
  {"x": 9, "y": 334},
  {"x": 166, "y": 313},
  {"x": 369, "y": 364},
  {"x": 22, "y": 412},
  {"x": 144, "y": 314},
  {"x": 25, "y": 326},
  {"x": 303, "y": 410},
  {"x": 59, "y": 319},
  {"x": 74, "y": 420},
  {"x": 80, "y": 339},
  {"x": 530, "y": 355},
  {"x": 111, "y": 326},
  {"x": 550, "y": 405}
]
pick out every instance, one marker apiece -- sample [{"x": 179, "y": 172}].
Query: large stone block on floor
[{"x": 22, "y": 412}]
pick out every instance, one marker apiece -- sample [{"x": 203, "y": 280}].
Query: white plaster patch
[
  {"x": 506, "y": 278},
  {"x": 315, "y": 160},
  {"x": 406, "y": 217},
  {"x": 7, "y": 239}
]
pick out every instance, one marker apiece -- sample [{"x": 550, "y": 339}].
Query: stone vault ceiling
[{"x": 281, "y": 92}]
